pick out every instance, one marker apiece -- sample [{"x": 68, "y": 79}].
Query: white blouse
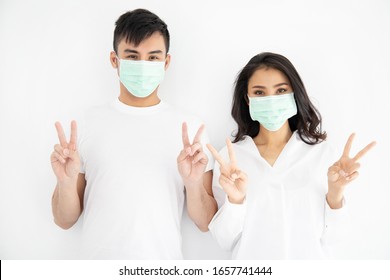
[{"x": 285, "y": 214}]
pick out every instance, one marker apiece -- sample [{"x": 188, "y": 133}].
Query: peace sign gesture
[
  {"x": 345, "y": 170},
  {"x": 192, "y": 161},
  {"x": 65, "y": 159},
  {"x": 232, "y": 179}
]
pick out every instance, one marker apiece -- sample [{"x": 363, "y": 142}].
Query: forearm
[
  {"x": 201, "y": 205},
  {"x": 335, "y": 196},
  {"x": 66, "y": 204}
]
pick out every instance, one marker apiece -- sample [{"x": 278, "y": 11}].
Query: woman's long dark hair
[{"x": 307, "y": 121}]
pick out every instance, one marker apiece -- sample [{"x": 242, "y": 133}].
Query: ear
[
  {"x": 167, "y": 61},
  {"x": 114, "y": 60},
  {"x": 246, "y": 99}
]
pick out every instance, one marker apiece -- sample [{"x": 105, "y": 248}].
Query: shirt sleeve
[
  {"x": 336, "y": 223},
  {"x": 227, "y": 224}
]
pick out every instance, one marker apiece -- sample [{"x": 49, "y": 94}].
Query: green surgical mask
[
  {"x": 272, "y": 111},
  {"x": 141, "y": 77}
]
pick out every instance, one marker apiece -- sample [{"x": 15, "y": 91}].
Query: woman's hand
[
  {"x": 232, "y": 179},
  {"x": 344, "y": 171}
]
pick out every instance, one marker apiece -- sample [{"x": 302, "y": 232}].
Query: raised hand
[
  {"x": 192, "y": 161},
  {"x": 232, "y": 179},
  {"x": 65, "y": 159},
  {"x": 345, "y": 170}
]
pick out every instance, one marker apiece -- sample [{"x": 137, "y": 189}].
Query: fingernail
[{"x": 66, "y": 152}]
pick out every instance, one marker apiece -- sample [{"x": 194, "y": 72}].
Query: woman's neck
[{"x": 273, "y": 138}]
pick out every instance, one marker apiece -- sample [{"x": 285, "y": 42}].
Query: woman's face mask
[{"x": 272, "y": 111}]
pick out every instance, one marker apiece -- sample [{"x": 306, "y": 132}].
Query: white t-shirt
[
  {"x": 134, "y": 195},
  {"x": 285, "y": 214}
]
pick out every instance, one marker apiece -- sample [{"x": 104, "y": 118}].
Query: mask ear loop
[{"x": 117, "y": 66}]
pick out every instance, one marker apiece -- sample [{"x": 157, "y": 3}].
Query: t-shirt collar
[{"x": 120, "y": 106}]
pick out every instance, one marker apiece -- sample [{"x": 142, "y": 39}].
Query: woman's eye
[
  {"x": 258, "y": 92},
  {"x": 282, "y": 90}
]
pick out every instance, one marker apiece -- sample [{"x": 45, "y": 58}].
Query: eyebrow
[
  {"x": 281, "y": 84},
  {"x": 134, "y": 51},
  {"x": 277, "y": 85}
]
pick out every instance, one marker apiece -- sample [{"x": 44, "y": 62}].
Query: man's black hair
[{"x": 138, "y": 25}]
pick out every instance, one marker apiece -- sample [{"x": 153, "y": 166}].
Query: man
[{"x": 124, "y": 173}]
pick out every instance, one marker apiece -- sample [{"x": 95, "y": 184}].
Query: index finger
[
  {"x": 360, "y": 154},
  {"x": 232, "y": 155},
  {"x": 73, "y": 135},
  {"x": 198, "y": 134},
  {"x": 216, "y": 155},
  {"x": 61, "y": 135},
  {"x": 184, "y": 135},
  {"x": 348, "y": 145}
]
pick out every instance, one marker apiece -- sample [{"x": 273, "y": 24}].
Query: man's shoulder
[
  {"x": 105, "y": 105},
  {"x": 98, "y": 109},
  {"x": 183, "y": 115}
]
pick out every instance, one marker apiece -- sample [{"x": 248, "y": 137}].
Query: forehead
[
  {"x": 151, "y": 43},
  {"x": 268, "y": 76}
]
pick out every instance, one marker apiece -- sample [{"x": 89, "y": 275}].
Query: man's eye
[
  {"x": 153, "y": 58},
  {"x": 132, "y": 57}
]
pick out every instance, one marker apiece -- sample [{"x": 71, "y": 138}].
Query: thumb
[
  {"x": 334, "y": 173},
  {"x": 241, "y": 175},
  {"x": 72, "y": 154}
]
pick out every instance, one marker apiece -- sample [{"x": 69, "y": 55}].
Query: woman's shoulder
[
  {"x": 324, "y": 149},
  {"x": 245, "y": 146},
  {"x": 239, "y": 145}
]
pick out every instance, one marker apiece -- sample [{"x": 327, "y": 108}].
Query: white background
[{"x": 54, "y": 64}]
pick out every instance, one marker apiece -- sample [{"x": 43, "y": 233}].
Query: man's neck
[{"x": 126, "y": 98}]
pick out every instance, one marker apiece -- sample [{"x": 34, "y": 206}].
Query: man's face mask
[
  {"x": 141, "y": 77},
  {"x": 272, "y": 111}
]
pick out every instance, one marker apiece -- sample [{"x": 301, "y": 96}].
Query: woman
[{"x": 281, "y": 205}]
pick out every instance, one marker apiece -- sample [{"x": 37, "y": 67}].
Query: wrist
[
  {"x": 236, "y": 200},
  {"x": 334, "y": 200},
  {"x": 67, "y": 183},
  {"x": 193, "y": 184}
]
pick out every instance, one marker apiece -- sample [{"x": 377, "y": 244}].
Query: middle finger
[{"x": 360, "y": 154}]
